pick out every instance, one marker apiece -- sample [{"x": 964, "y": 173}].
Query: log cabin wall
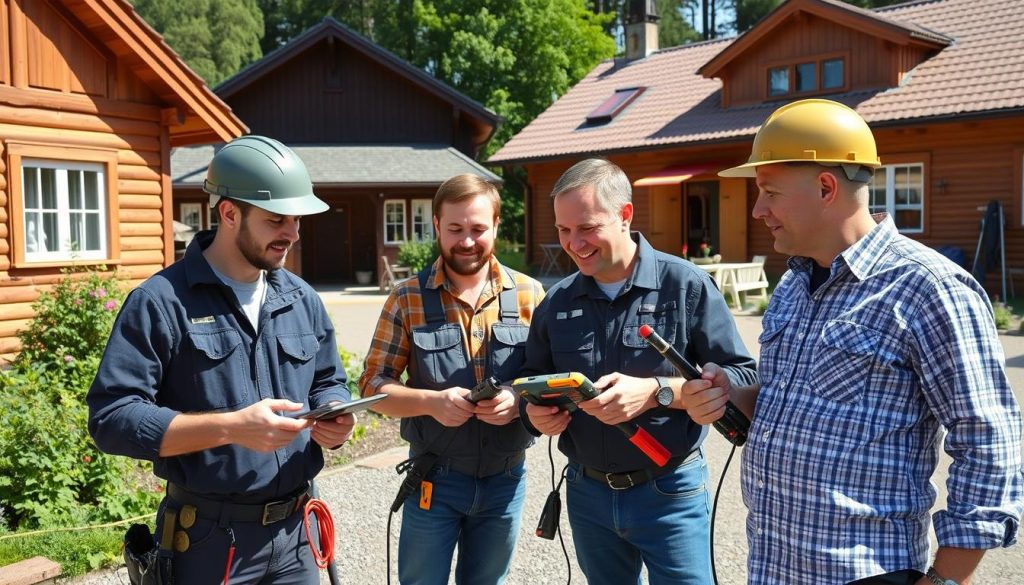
[
  {"x": 967, "y": 163},
  {"x": 65, "y": 98}
]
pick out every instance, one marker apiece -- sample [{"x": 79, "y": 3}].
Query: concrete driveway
[{"x": 360, "y": 494}]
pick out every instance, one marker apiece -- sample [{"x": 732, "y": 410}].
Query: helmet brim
[
  {"x": 749, "y": 170},
  {"x": 302, "y": 205}
]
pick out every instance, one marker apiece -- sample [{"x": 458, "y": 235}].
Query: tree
[
  {"x": 216, "y": 38},
  {"x": 673, "y": 27},
  {"x": 749, "y": 12}
]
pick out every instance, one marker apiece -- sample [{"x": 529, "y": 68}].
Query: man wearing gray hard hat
[{"x": 203, "y": 357}]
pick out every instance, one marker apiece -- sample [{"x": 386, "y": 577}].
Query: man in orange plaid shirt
[{"x": 462, "y": 319}]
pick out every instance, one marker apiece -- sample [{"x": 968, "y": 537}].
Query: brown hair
[{"x": 466, "y": 186}]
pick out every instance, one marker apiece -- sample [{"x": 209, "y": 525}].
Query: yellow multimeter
[{"x": 563, "y": 390}]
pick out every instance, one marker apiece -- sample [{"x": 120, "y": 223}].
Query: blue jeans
[
  {"x": 480, "y": 514},
  {"x": 663, "y": 523}
]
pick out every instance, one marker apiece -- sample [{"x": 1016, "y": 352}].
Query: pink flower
[
  {"x": 87, "y": 459},
  {"x": 98, "y": 293},
  {"x": 110, "y": 305},
  {"x": 68, "y": 359}
]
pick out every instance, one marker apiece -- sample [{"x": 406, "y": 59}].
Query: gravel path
[{"x": 360, "y": 496}]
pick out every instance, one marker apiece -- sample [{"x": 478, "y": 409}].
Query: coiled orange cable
[{"x": 318, "y": 508}]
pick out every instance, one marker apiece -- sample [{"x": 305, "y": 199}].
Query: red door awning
[{"x": 675, "y": 174}]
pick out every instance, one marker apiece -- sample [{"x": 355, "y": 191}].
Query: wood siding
[
  {"x": 46, "y": 75},
  {"x": 870, "y": 62},
  {"x": 967, "y": 164},
  {"x": 331, "y": 93}
]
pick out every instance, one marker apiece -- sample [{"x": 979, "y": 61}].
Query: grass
[{"x": 77, "y": 552}]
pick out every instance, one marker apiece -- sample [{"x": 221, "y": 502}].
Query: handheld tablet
[{"x": 336, "y": 409}]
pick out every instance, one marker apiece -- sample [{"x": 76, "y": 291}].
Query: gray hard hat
[{"x": 262, "y": 172}]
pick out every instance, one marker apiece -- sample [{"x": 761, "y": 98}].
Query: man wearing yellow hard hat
[{"x": 871, "y": 344}]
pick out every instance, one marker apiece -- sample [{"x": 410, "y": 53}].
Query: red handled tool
[{"x": 734, "y": 424}]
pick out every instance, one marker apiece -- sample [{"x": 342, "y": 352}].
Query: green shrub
[
  {"x": 417, "y": 255},
  {"x": 1003, "y": 315},
  {"x": 51, "y": 473},
  {"x": 511, "y": 254},
  {"x": 353, "y": 369}
]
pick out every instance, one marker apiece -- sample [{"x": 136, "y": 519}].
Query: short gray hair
[{"x": 609, "y": 182}]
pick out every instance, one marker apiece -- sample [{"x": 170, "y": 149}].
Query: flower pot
[{"x": 364, "y": 276}]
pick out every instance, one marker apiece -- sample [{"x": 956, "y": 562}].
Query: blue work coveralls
[
  {"x": 662, "y": 522},
  {"x": 182, "y": 344}
]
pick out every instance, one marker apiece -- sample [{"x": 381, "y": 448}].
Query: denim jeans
[
  {"x": 663, "y": 523},
  {"x": 480, "y": 514}
]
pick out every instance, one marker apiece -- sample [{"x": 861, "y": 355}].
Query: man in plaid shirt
[
  {"x": 462, "y": 319},
  {"x": 872, "y": 343}
]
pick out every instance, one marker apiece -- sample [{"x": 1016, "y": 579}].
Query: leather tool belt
[
  {"x": 225, "y": 512},
  {"x": 628, "y": 479}
]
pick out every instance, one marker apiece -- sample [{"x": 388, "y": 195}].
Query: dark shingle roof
[{"x": 407, "y": 164}]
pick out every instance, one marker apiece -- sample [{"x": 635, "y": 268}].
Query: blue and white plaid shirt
[{"x": 856, "y": 380}]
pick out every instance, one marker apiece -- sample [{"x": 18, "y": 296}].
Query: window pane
[
  {"x": 778, "y": 81},
  {"x": 76, "y": 232},
  {"x": 31, "y": 188},
  {"x": 32, "y": 233},
  {"x": 915, "y": 180},
  {"x": 876, "y": 200},
  {"x": 806, "y": 77},
  {"x": 908, "y": 219},
  {"x": 49, "y": 184},
  {"x": 92, "y": 231},
  {"x": 832, "y": 74},
  {"x": 75, "y": 189},
  {"x": 92, "y": 191},
  {"x": 50, "y": 242}
]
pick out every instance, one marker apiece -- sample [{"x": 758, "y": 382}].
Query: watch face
[{"x": 664, "y": 396}]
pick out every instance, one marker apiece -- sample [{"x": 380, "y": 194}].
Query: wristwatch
[
  {"x": 664, "y": 396},
  {"x": 935, "y": 578}
]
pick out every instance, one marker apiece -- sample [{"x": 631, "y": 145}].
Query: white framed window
[
  {"x": 64, "y": 209},
  {"x": 899, "y": 191},
  {"x": 422, "y": 220},
  {"x": 192, "y": 215},
  {"x": 394, "y": 221}
]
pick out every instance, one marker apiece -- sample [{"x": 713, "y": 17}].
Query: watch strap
[{"x": 934, "y": 577}]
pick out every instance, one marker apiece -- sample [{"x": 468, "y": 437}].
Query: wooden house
[
  {"x": 377, "y": 135},
  {"x": 941, "y": 83},
  {"x": 91, "y": 102}
]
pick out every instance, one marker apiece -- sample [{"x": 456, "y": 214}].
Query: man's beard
[
  {"x": 465, "y": 265},
  {"x": 252, "y": 252}
]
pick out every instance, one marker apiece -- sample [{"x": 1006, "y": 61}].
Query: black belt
[
  {"x": 226, "y": 511},
  {"x": 628, "y": 479},
  {"x": 474, "y": 467}
]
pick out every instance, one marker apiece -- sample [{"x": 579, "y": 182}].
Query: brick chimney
[{"x": 641, "y": 29}]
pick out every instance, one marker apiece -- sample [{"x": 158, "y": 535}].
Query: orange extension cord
[{"x": 318, "y": 508}]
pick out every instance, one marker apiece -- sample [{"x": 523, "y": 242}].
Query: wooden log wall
[{"x": 139, "y": 199}]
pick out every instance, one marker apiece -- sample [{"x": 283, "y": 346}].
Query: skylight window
[{"x": 613, "y": 105}]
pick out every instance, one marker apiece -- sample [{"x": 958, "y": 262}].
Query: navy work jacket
[
  {"x": 577, "y": 328},
  {"x": 181, "y": 344}
]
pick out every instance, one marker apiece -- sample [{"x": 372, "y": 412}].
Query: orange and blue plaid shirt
[{"x": 403, "y": 311}]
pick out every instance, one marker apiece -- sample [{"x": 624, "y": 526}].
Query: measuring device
[{"x": 568, "y": 389}]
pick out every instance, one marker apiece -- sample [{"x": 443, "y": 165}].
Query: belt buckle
[
  {"x": 616, "y": 486},
  {"x": 276, "y": 511}
]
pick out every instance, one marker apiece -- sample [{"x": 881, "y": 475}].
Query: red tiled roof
[{"x": 981, "y": 71}]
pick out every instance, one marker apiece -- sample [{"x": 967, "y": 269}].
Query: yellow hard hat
[{"x": 815, "y": 130}]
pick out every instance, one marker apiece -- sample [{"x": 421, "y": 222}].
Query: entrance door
[
  {"x": 327, "y": 246},
  {"x": 666, "y": 218},
  {"x": 701, "y": 216}
]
